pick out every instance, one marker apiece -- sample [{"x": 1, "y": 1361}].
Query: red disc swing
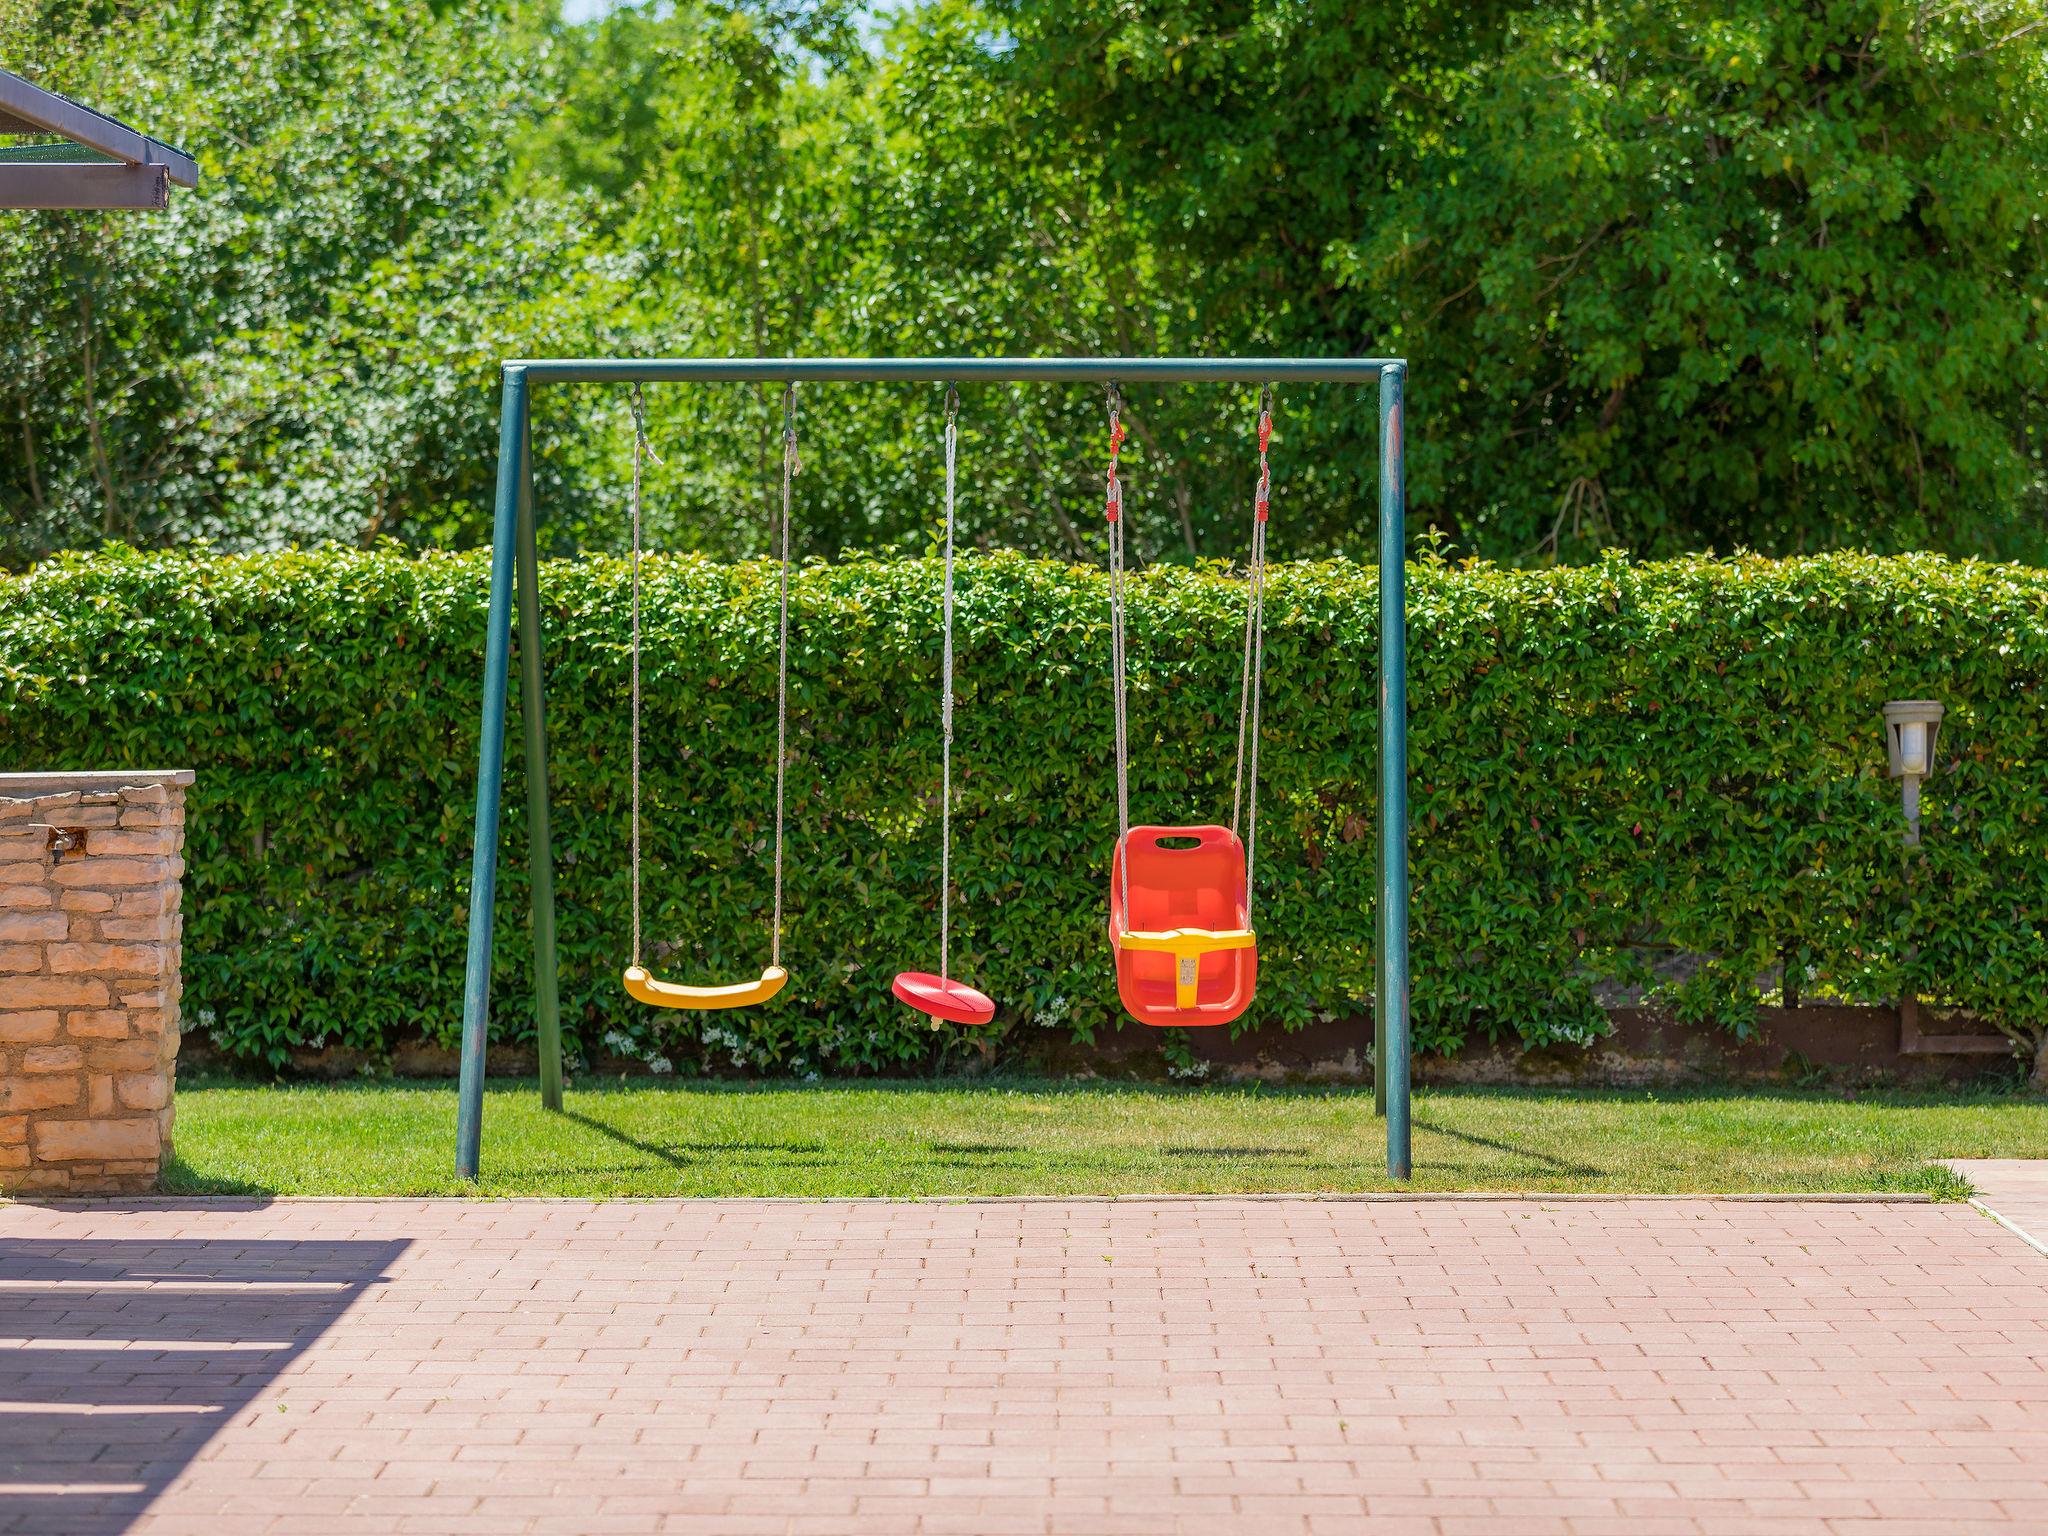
[
  {"x": 941, "y": 996},
  {"x": 1180, "y": 905}
]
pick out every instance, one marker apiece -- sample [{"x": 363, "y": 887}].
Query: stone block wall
[{"x": 91, "y": 885}]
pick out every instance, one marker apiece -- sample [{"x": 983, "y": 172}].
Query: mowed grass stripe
[{"x": 1026, "y": 1137}]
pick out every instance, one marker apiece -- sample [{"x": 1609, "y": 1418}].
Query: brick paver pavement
[{"x": 1270, "y": 1366}]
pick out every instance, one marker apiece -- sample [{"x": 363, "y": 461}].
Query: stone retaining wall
[{"x": 91, "y": 883}]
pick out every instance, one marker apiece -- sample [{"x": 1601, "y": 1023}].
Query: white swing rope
[
  {"x": 1254, "y": 657},
  {"x": 1241, "y": 809},
  {"x": 790, "y": 466},
  {"x": 640, "y": 454},
  {"x": 1113, "y": 511},
  {"x": 946, "y": 701}
]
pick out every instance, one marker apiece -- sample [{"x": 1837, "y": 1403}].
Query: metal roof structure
[{"x": 101, "y": 164}]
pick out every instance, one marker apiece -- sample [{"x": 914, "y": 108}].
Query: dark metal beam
[
  {"x": 83, "y": 186},
  {"x": 47, "y": 112}
]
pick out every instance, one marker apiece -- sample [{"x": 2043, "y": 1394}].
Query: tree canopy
[{"x": 1669, "y": 277}]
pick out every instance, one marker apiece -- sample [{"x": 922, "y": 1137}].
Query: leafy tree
[
  {"x": 1669, "y": 277},
  {"x": 302, "y": 348},
  {"x": 896, "y": 207},
  {"x": 731, "y": 187},
  {"x": 1006, "y": 234},
  {"x": 1672, "y": 276}
]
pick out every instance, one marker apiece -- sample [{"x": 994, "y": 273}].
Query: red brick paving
[{"x": 1617, "y": 1368}]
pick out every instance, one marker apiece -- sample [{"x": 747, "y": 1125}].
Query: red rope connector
[
  {"x": 1116, "y": 490},
  {"x": 1262, "y": 503}
]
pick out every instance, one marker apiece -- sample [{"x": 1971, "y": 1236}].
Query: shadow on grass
[
  {"x": 1990, "y": 1090},
  {"x": 1034, "y": 1087},
  {"x": 1554, "y": 1164},
  {"x": 179, "y": 1177},
  {"x": 1233, "y": 1152},
  {"x": 692, "y": 1154}
]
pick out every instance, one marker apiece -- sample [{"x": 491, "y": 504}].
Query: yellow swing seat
[{"x": 641, "y": 984}]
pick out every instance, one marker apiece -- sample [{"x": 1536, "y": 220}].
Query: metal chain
[
  {"x": 946, "y": 701},
  {"x": 1254, "y": 653},
  {"x": 639, "y": 452},
  {"x": 1113, "y": 510},
  {"x": 791, "y": 467}
]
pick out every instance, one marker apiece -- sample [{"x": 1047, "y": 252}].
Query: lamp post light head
[{"x": 1911, "y": 729}]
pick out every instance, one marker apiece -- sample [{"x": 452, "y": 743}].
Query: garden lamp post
[{"x": 1911, "y": 727}]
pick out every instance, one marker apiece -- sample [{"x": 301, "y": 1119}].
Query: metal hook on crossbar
[
  {"x": 789, "y": 428},
  {"x": 641, "y": 442}
]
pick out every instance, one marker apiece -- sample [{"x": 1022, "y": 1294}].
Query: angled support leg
[
  {"x": 540, "y": 842},
  {"x": 490, "y": 778}
]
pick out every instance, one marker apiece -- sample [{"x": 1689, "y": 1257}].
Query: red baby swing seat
[
  {"x": 1185, "y": 952},
  {"x": 1180, "y": 897}
]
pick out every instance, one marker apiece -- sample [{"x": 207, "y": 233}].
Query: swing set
[{"x": 1180, "y": 899}]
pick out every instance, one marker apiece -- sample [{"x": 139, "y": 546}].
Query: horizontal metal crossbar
[{"x": 1051, "y": 370}]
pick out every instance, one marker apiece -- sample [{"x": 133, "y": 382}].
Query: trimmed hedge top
[{"x": 1608, "y": 763}]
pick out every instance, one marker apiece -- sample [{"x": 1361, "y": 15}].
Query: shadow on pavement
[{"x": 120, "y": 1359}]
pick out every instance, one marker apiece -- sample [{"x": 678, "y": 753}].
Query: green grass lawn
[{"x": 1019, "y": 1136}]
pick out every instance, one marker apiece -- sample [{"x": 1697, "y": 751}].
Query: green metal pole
[
  {"x": 540, "y": 843},
  {"x": 1392, "y": 1010},
  {"x": 1379, "y": 984},
  {"x": 490, "y": 778},
  {"x": 1379, "y": 906},
  {"x": 1379, "y": 949}
]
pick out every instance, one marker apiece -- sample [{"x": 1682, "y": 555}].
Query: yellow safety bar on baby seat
[{"x": 1187, "y": 946}]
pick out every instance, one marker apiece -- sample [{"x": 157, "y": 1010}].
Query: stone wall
[{"x": 91, "y": 882}]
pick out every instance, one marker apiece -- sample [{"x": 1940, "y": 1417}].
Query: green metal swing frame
[{"x": 515, "y": 581}]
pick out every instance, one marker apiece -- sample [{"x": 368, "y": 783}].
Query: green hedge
[{"x": 1608, "y": 763}]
